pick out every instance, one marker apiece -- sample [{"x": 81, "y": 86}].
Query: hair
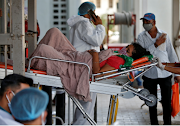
[
  {"x": 26, "y": 121},
  {"x": 139, "y": 51},
  {"x": 13, "y": 81}
]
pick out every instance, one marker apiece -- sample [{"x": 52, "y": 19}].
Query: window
[
  {"x": 110, "y": 3},
  {"x": 63, "y": 17},
  {"x": 63, "y": 11},
  {"x": 55, "y": 5},
  {"x": 56, "y": 23},
  {"x": 63, "y": 5},
  {"x": 63, "y": 29},
  {"x": 55, "y": 17},
  {"x": 63, "y": 23},
  {"x": 98, "y": 3},
  {"x": 55, "y": 11}
]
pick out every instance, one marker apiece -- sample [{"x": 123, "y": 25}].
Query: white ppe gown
[
  {"x": 7, "y": 119},
  {"x": 84, "y": 36}
]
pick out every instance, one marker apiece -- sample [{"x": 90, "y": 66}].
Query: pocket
[{"x": 162, "y": 47}]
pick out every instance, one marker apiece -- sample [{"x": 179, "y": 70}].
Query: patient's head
[{"x": 136, "y": 51}]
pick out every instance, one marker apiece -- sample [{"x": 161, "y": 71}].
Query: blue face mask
[{"x": 9, "y": 102}]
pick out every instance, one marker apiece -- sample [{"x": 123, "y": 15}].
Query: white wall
[
  {"x": 104, "y": 9},
  {"x": 45, "y": 13},
  {"x": 163, "y": 12},
  {"x": 43, "y": 16},
  {"x": 73, "y": 7}
]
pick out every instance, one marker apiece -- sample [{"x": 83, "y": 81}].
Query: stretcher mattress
[
  {"x": 40, "y": 77},
  {"x": 102, "y": 84}
]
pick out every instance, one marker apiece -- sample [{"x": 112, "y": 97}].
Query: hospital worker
[
  {"x": 11, "y": 85},
  {"x": 159, "y": 44},
  {"x": 29, "y": 106},
  {"x": 85, "y": 36}
]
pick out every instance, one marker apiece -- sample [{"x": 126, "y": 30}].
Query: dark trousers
[{"x": 165, "y": 85}]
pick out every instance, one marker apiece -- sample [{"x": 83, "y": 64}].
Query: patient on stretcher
[
  {"x": 74, "y": 77},
  {"x": 133, "y": 50}
]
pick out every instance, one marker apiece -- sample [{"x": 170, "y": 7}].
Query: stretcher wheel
[
  {"x": 153, "y": 98},
  {"x": 144, "y": 92}
]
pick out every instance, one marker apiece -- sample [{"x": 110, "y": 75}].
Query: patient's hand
[
  {"x": 92, "y": 52},
  {"x": 117, "y": 54}
]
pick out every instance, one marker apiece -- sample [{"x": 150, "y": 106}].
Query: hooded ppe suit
[{"x": 83, "y": 35}]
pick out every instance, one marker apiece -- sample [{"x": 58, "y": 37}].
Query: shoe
[{"x": 140, "y": 87}]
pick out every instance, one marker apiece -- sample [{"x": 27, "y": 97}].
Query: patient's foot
[{"x": 140, "y": 87}]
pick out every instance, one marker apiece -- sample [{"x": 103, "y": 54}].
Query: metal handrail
[
  {"x": 80, "y": 107},
  {"x": 67, "y": 61},
  {"x": 122, "y": 72},
  {"x": 59, "y": 118}
]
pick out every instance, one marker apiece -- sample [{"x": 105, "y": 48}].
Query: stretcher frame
[{"x": 98, "y": 87}]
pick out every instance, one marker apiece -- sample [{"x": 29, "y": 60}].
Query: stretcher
[{"x": 97, "y": 84}]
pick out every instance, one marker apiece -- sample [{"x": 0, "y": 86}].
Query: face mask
[
  {"x": 147, "y": 27},
  {"x": 9, "y": 102},
  {"x": 123, "y": 51},
  {"x": 42, "y": 119}
]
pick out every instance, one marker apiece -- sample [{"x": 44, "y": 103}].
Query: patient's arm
[
  {"x": 95, "y": 63},
  {"x": 172, "y": 67},
  {"x": 175, "y": 70},
  {"x": 172, "y": 64}
]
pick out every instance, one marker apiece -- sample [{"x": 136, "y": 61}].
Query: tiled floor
[{"x": 129, "y": 112}]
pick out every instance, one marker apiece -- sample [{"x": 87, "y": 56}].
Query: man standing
[
  {"x": 10, "y": 85},
  {"x": 158, "y": 43},
  {"x": 85, "y": 36}
]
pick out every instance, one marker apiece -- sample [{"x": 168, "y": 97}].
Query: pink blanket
[{"x": 74, "y": 77}]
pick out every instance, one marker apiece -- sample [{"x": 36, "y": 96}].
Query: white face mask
[
  {"x": 42, "y": 119},
  {"x": 9, "y": 102},
  {"x": 148, "y": 27}
]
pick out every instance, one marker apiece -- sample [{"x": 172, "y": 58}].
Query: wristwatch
[{"x": 155, "y": 45}]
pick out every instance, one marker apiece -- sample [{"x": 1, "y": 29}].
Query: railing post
[{"x": 18, "y": 32}]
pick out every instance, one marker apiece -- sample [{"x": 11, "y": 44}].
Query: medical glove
[{"x": 160, "y": 65}]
